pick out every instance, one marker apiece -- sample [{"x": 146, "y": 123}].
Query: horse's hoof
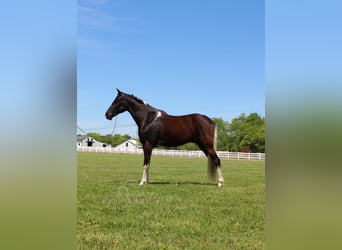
[
  {"x": 142, "y": 183},
  {"x": 220, "y": 184}
]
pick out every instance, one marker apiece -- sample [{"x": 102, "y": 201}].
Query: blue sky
[{"x": 179, "y": 56}]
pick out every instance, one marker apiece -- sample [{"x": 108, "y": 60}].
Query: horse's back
[
  {"x": 195, "y": 117},
  {"x": 203, "y": 119},
  {"x": 190, "y": 120},
  {"x": 189, "y": 126}
]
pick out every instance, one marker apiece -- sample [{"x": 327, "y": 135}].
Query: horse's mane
[
  {"x": 137, "y": 99},
  {"x": 142, "y": 102}
]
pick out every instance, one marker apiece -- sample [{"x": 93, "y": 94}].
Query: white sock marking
[{"x": 145, "y": 177}]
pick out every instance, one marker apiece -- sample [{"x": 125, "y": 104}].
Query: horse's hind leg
[
  {"x": 214, "y": 163},
  {"x": 147, "y": 157},
  {"x": 220, "y": 177}
]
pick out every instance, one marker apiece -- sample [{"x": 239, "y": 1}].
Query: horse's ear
[{"x": 119, "y": 92}]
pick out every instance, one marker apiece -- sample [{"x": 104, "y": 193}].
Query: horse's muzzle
[{"x": 109, "y": 115}]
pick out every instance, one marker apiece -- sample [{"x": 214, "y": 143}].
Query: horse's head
[{"x": 118, "y": 106}]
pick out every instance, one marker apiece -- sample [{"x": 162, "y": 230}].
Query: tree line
[
  {"x": 245, "y": 133},
  {"x": 242, "y": 134}
]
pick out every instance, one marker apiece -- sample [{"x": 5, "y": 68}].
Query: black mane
[
  {"x": 137, "y": 99},
  {"x": 142, "y": 102}
]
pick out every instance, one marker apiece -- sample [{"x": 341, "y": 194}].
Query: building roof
[{"x": 82, "y": 137}]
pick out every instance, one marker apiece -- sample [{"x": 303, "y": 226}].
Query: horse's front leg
[{"x": 147, "y": 147}]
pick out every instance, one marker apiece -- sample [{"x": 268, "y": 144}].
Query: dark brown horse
[{"x": 156, "y": 127}]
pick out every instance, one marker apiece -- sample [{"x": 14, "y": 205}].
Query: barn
[
  {"x": 87, "y": 141},
  {"x": 128, "y": 146}
]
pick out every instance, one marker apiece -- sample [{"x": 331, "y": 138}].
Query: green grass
[{"x": 179, "y": 209}]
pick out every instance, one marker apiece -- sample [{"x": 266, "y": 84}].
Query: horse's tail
[{"x": 211, "y": 165}]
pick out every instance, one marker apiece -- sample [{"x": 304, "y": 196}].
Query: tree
[
  {"x": 222, "y": 134},
  {"x": 96, "y": 136},
  {"x": 118, "y": 139},
  {"x": 247, "y": 133},
  {"x": 188, "y": 146},
  {"x": 109, "y": 138}
]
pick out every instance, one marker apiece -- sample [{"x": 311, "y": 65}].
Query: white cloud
[
  {"x": 90, "y": 126},
  {"x": 95, "y": 2},
  {"x": 95, "y": 18},
  {"x": 93, "y": 43},
  {"x": 96, "y": 26}
]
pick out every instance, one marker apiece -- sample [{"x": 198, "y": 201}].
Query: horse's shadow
[
  {"x": 181, "y": 183},
  {"x": 170, "y": 183}
]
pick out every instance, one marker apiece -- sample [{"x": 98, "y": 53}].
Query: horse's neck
[{"x": 139, "y": 112}]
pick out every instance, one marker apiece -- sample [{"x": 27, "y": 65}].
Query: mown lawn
[{"x": 179, "y": 209}]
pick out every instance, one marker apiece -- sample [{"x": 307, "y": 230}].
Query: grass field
[{"x": 179, "y": 209}]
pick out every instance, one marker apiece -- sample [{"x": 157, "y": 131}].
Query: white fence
[{"x": 179, "y": 153}]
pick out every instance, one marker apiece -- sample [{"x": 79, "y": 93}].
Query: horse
[{"x": 157, "y": 128}]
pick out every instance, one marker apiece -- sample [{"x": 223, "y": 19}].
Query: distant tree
[
  {"x": 222, "y": 134},
  {"x": 188, "y": 146},
  {"x": 247, "y": 133},
  {"x": 114, "y": 140},
  {"x": 118, "y": 139},
  {"x": 107, "y": 138},
  {"x": 96, "y": 136}
]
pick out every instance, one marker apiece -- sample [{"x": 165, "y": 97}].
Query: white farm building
[
  {"x": 87, "y": 141},
  {"x": 128, "y": 146}
]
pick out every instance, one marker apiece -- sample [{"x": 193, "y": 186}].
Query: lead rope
[{"x": 114, "y": 127}]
